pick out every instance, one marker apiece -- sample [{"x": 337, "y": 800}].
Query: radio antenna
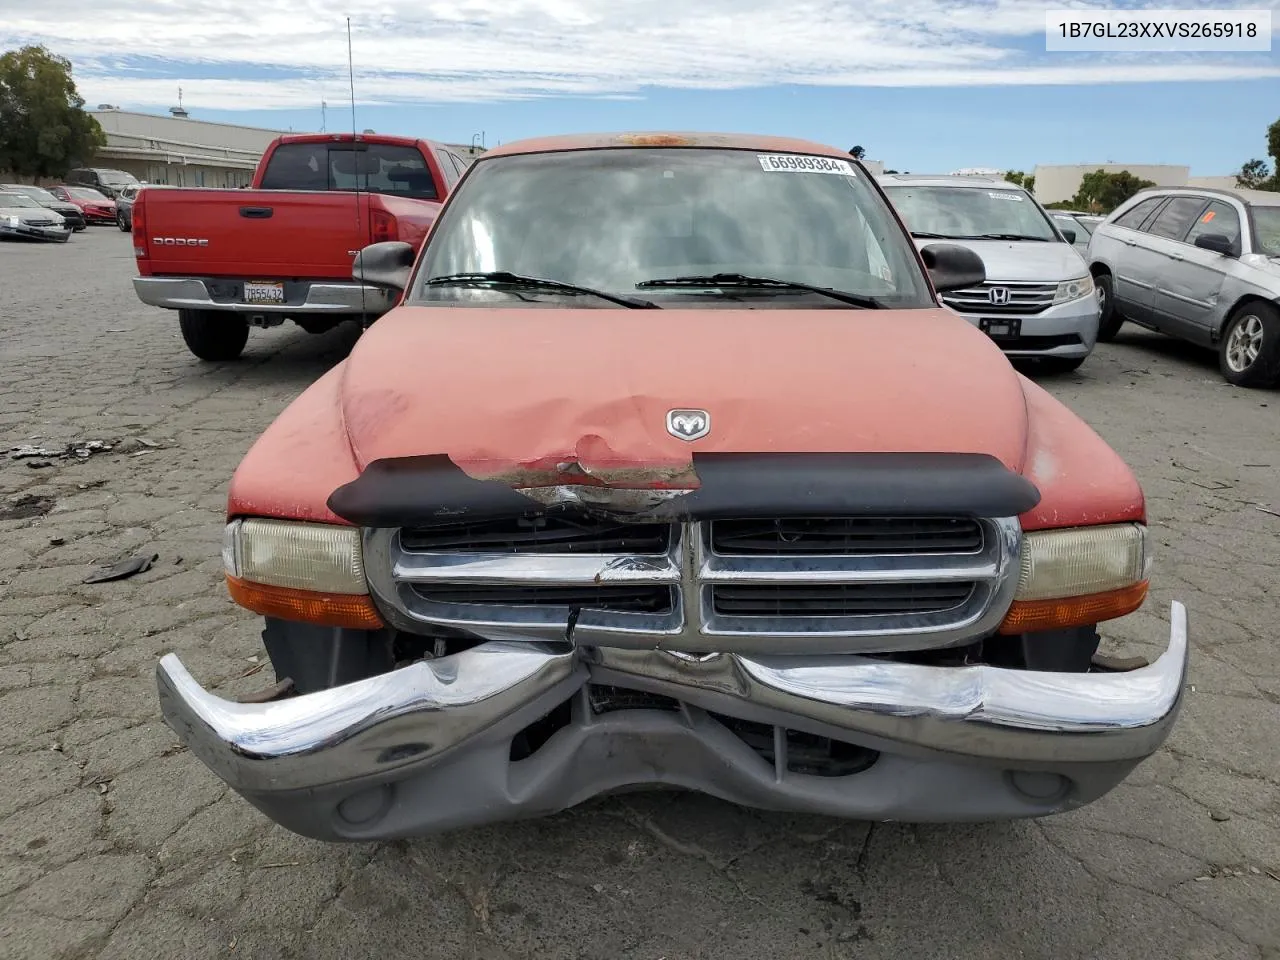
[{"x": 355, "y": 157}]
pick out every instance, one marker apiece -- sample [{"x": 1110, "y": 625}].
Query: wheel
[
  {"x": 82, "y": 227},
  {"x": 1110, "y": 320},
  {"x": 120, "y": 221},
  {"x": 1059, "y": 364},
  {"x": 213, "y": 334},
  {"x": 1249, "y": 351}
]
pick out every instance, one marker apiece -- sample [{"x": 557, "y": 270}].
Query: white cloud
[{"x": 467, "y": 50}]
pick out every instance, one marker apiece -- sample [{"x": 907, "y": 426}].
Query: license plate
[
  {"x": 255, "y": 292},
  {"x": 1000, "y": 327}
]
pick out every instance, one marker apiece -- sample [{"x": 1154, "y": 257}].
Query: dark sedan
[
  {"x": 94, "y": 206},
  {"x": 68, "y": 210}
]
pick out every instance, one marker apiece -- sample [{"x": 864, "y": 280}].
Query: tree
[
  {"x": 1256, "y": 175},
  {"x": 1025, "y": 180},
  {"x": 1102, "y": 192},
  {"x": 1253, "y": 175},
  {"x": 44, "y": 130},
  {"x": 857, "y": 153}
]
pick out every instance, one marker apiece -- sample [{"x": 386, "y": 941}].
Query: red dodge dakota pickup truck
[
  {"x": 282, "y": 249},
  {"x": 670, "y": 469}
]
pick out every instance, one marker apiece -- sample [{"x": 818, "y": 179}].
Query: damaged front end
[{"x": 862, "y": 635}]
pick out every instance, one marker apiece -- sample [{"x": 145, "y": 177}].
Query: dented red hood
[{"x": 516, "y": 393}]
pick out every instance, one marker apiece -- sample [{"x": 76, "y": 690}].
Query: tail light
[
  {"x": 383, "y": 226},
  {"x": 139, "y": 217}
]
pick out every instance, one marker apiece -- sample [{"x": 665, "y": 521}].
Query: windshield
[
  {"x": 85, "y": 193},
  {"x": 36, "y": 193},
  {"x": 1266, "y": 229},
  {"x": 958, "y": 213},
  {"x": 116, "y": 177},
  {"x": 16, "y": 200},
  {"x": 610, "y": 219}
]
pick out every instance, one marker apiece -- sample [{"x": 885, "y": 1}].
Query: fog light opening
[
  {"x": 1040, "y": 787},
  {"x": 367, "y": 807}
]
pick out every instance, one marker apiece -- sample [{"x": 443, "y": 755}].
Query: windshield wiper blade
[
  {"x": 742, "y": 280},
  {"x": 518, "y": 280},
  {"x": 1007, "y": 236},
  {"x": 925, "y": 235}
]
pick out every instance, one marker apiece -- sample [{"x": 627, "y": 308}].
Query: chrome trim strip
[{"x": 375, "y": 727}]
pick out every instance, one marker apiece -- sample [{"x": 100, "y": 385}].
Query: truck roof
[
  {"x": 602, "y": 141},
  {"x": 386, "y": 138}
]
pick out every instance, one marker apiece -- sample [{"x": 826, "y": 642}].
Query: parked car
[
  {"x": 106, "y": 181},
  {"x": 125, "y": 200},
  {"x": 1200, "y": 265},
  {"x": 1038, "y": 300},
  {"x": 64, "y": 208},
  {"x": 21, "y": 218},
  {"x": 94, "y": 206},
  {"x": 781, "y": 528},
  {"x": 1075, "y": 229},
  {"x": 230, "y": 259}
]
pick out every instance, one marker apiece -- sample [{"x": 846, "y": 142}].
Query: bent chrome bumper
[
  {"x": 178, "y": 293},
  {"x": 411, "y": 733}
]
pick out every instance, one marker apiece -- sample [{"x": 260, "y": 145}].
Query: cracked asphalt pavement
[{"x": 115, "y": 843}]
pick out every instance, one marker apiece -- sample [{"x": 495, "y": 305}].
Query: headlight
[
  {"x": 322, "y": 557},
  {"x": 1079, "y": 576},
  {"x": 1070, "y": 290},
  {"x": 308, "y": 572}
]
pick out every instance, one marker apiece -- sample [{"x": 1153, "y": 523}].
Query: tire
[
  {"x": 212, "y": 334},
  {"x": 1111, "y": 320},
  {"x": 83, "y": 227},
  {"x": 1059, "y": 364},
  {"x": 1249, "y": 351},
  {"x": 120, "y": 222}
]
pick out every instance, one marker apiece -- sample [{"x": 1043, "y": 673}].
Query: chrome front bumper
[
  {"x": 192, "y": 294},
  {"x": 426, "y": 747}
]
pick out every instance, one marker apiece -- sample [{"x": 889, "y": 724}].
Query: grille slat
[
  {"x": 621, "y": 599},
  {"x": 851, "y": 536},
  {"x": 837, "y": 600},
  {"x": 541, "y": 535}
]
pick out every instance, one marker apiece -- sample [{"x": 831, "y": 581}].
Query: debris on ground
[
  {"x": 25, "y": 450},
  {"x": 123, "y": 569},
  {"x": 25, "y": 507},
  {"x": 39, "y": 464},
  {"x": 76, "y": 449},
  {"x": 57, "y": 541}
]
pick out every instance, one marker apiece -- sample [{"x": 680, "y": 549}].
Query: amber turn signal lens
[
  {"x": 288, "y": 603},
  {"x": 1028, "y": 616}
]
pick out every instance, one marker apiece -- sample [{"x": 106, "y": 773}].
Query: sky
[{"x": 924, "y": 85}]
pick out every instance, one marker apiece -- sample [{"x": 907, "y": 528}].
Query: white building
[
  {"x": 1057, "y": 183},
  {"x": 180, "y": 151}
]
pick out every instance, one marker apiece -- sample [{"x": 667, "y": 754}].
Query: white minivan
[{"x": 1038, "y": 301}]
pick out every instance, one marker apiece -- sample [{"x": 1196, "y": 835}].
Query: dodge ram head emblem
[
  {"x": 688, "y": 424},
  {"x": 999, "y": 295}
]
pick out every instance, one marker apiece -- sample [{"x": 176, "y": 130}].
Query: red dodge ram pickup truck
[{"x": 230, "y": 259}]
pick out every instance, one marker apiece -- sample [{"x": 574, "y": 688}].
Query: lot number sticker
[
  {"x": 791, "y": 163},
  {"x": 1005, "y": 195}
]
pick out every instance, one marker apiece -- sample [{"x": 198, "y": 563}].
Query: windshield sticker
[
  {"x": 1005, "y": 195},
  {"x": 792, "y": 163},
  {"x": 1208, "y": 216}
]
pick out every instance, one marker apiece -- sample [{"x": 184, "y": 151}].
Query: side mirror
[
  {"x": 385, "y": 264},
  {"x": 1069, "y": 234},
  {"x": 953, "y": 267},
  {"x": 1217, "y": 242}
]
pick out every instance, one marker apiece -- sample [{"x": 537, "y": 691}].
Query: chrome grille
[
  {"x": 794, "y": 585},
  {"x": 1022, "y": 297}
]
